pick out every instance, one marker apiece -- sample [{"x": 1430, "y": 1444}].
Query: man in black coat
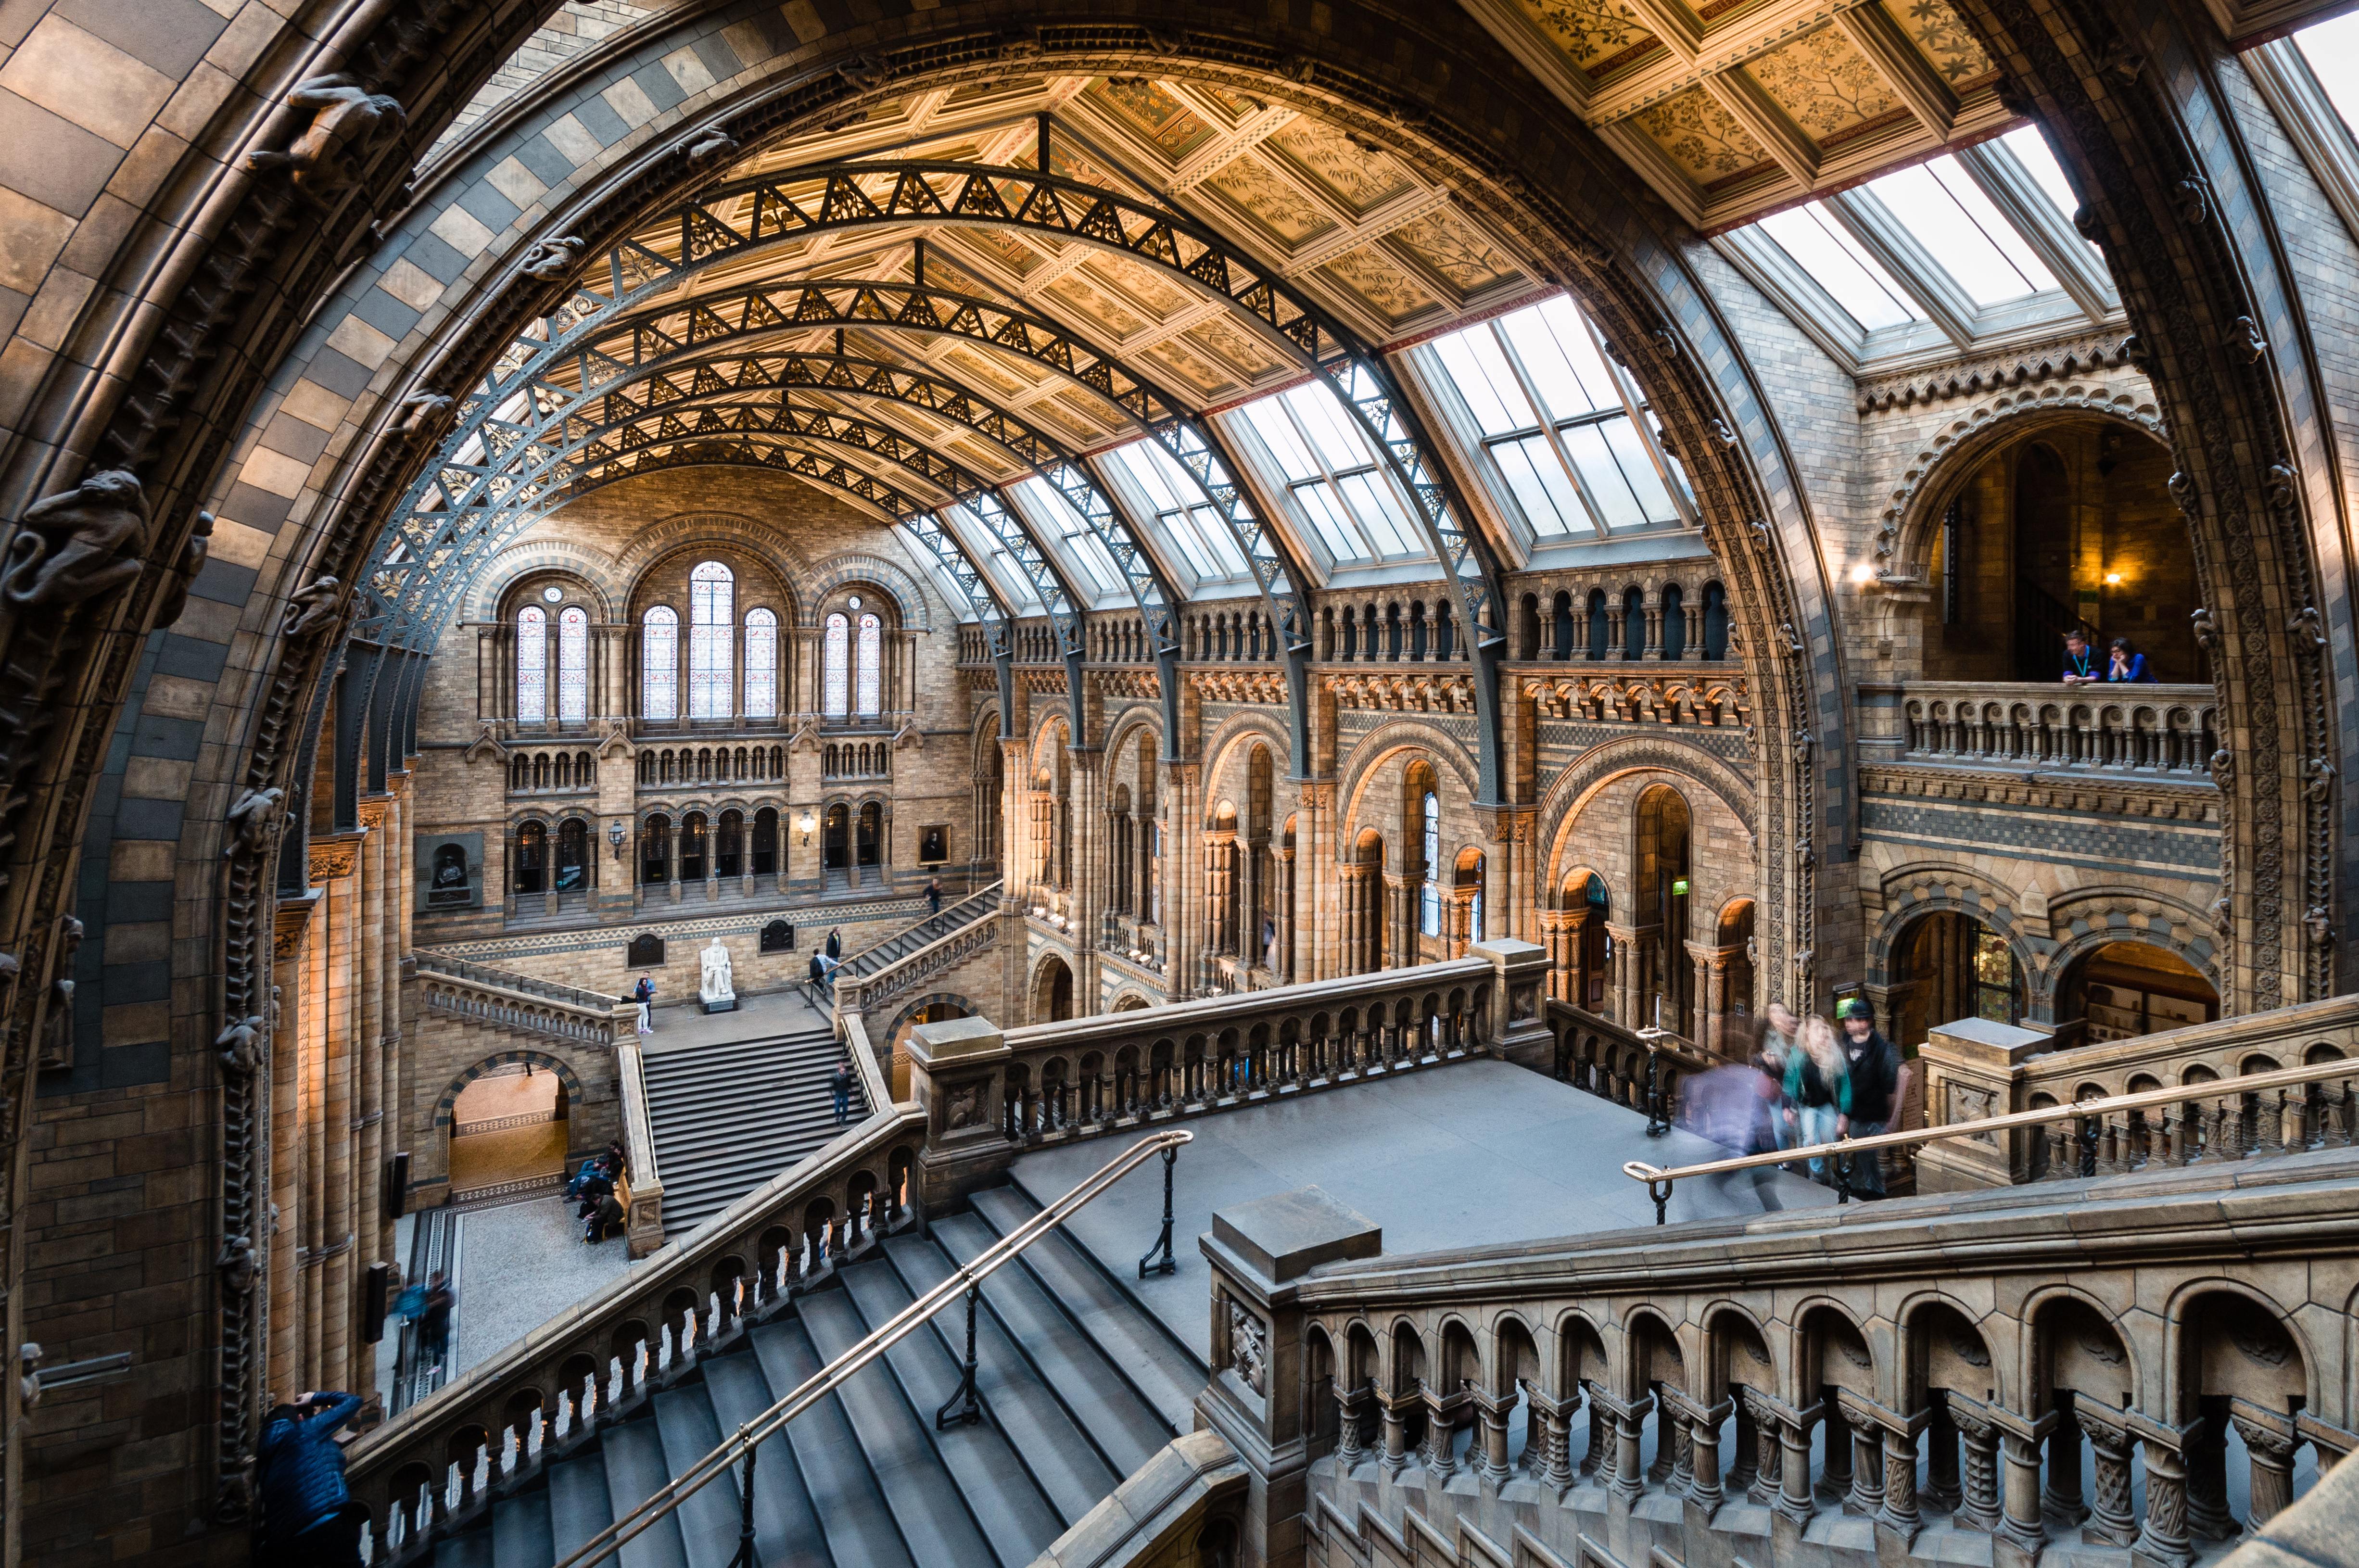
[{"x": 1879, "y": 1081}]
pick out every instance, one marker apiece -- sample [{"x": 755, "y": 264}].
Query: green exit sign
[{"x": 1679, "y": 889}]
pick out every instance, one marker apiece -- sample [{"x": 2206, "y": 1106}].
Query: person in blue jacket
[
  {"x": 2125, "y": 663},
  {"x": 308, "y": 1516}
]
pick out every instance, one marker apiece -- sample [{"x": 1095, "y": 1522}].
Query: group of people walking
[
  {"x": 599, "y": 1209},
  {"x": 1819, "y": 1083}
]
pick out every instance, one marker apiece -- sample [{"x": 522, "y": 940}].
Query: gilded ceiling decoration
[
  {"x": 1152, "y": 109},
  {"x": 1344, "y": 171},
  {"x": 1456, "y": 251},
  {"x": 1382, "y": 286},
  {"x": 1273, "y": 205},
  {"x": 1742, "y": 107}
]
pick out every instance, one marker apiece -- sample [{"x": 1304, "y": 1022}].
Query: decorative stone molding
[
  {"x": 859, "y": 566},
  {"x": 2082, "y": 356},
  {"x": 2133, "y": 408}
]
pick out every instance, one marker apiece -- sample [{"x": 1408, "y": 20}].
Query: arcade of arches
[{"x": 531, "y": 486}]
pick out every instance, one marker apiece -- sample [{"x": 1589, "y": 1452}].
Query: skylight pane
[
  {"x": 1562, "y": 362},
  {"x": 1322, "y": 420},
  {"x": 1645, "y": 484},
  {"x": 1191, "y": 547},
  {"x": 2030, "y": 149},
  {"x": 1603, "y": 475},
  {"x": 1137, "y": 460},
  {"x": 1540, "y": 485},
  {"x": 1326, "y": 513},
  {"x": 1480, "y": 372},
  {"x": 2332, "y": 49},
  {"x": 1825, "y": 250},
  {"x": 1214, "y": 531},
  {"x": 1940, "y": 206},
  {"x": 1276, "y": 432},
  {"x": 1380, "y": 511}
]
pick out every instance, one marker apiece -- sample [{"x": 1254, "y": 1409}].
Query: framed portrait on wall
[{"x": 934, "y": 845}]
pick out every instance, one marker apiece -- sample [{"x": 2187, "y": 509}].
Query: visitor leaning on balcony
[
  {"x": 2080, "y": 662},
  {"x": 2125, "y": 663}
]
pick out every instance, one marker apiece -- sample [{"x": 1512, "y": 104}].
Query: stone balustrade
[
  {"x": 1920, "y": 1382},
  {"x": 988, "y": 1094},
  {"x": 520, "y": 1002},
  {"x": 2166, "y": 732},
  {"x": 436, "y": 1467},
  {"x": 1975, "y": 1069},
  {"x": 1600, "y": 1056}
]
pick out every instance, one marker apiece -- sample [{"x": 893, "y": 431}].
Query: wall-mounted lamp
[
  {"x": 807, "y": 823},
  {"x": 2113, "y": 579},
  {"x": 615, "y": 835}
]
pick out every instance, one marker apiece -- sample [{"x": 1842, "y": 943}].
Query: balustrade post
[
  {"x": 1628, "y": 1481},
  {"x": 2269, "y": 1443},
  {"x": 1978, "y": 1506},
  {"x": 2060, "y": 1494},
  {"x": 2111, "y": 1519},
  {"x": 1675, "y": 1414},
  {"x": 1867, "y": 1496},
  {"x": 1899, "y": 1513},
  {"x": 1395, "y": 1433},
  {"x": 1351, "y": 1406},
  {"x": 2208, "y": 1517},
  {"x": 1704, "y": 1488},
  {"x": 1489, "y": 1459},
  {"x": 1593, "y": 1458},
  {"x": 2162, "y": 1536},
  {"x": 1553, "y": 1468},
  {"x": 1768, "y": 1451},
  {"x": 1794, "y": 1501},
  {"x": 1941, "y": 1488},
  {"x": 2022, "y": 1523}
]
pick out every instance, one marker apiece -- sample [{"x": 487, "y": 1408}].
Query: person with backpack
[
  {"x": 644, "y": 994},
  {"x": 308, "y": 1516}
]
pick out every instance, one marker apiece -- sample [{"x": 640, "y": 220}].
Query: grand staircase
[
  {"x": 1078, "y": 1387},
  {"x": 924, "y": 933},
  {"x": 713, "y": 1143}
]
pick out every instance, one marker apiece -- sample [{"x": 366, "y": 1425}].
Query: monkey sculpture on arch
[
  {"x": 350, "y": 125},
  {"x": 79, "y": 543}
]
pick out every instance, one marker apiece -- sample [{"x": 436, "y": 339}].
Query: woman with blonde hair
[{"x": 1818, "y": 1088}]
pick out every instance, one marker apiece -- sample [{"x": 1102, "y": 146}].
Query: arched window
[
  {"x": 867, "y": 665},
  {"x": 761, "y": 665},
  {"x": 835, "y": 687},
  {"x": 659, "y": 664},
  {"x": 1429, "y": 914},
  {"x": 712, "y": 625},
  {"x": 573, "y": 665},
  {"x": 532, "y": 664}
]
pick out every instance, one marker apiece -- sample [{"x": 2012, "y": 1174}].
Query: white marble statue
[{"x": 715, "y": 986}]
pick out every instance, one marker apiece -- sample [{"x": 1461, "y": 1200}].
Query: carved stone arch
[
  {"x": 1600, "y": 765},
  {"x": 1140, "y": 717},
  {"x": 2069, "y": 945},
  {"x": 1634, "y": 1321},
  {"x": 1907, "y": 1357},
  {"x": 2023, "y": 1344},
  {"x": 1379, "y": 744},
  {"x": 540, "y": 1060},
  {"x": 687, "y": 530},
  {"x": 1233, "y": 740},
  {"x": 985, "y": 736},
  {"x": 1718, "y": 1350},
  {"x": 754, "y": 548},
  {"x": 847, "y": 567},
  {"x": 1574, "y": 879},
  {"x": 1905, "y": 531},
  {"x": 2174, "y": 1328},
  {"x": 593, "y": 568},
  {"x": 1049, "y": 718},
  {"x": 1796, "y": 1322},
  {"x": 930, "y": 1000},
  {"x": 1912, "y": 892}
]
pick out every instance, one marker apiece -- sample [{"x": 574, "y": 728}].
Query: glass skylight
[
  {"x": 2332, "y": 49},
  {"x": 2030, "y": 149},
  {"x": 1043, "y": 502},
  {"x": 1822, "y": 248},
  {"x": 1186, "y": 521},
  {"x": 1939, "y": 203},
  {"x": 1333, "y": 475},
  {"x": 984, "y": 547},
  {"x": 1553, "y": 422}
]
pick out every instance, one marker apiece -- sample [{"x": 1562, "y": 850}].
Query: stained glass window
[
  {"x": 532, "y": 664},
  {"x": 868, "y": 662},
  {"x": 761, "y": 665},
  {"x": 573, "y": 665},
  {"x": 659, "y": 663},
  {"x": 834, "y": 685},
  {"x": 712, "y": 631},
  {"x": 1431, "y": 914}
]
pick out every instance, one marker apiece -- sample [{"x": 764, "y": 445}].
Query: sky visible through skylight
[{"x": 2332, "y": 49}]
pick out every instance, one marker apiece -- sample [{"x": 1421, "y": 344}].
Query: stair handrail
[
  {"x": 891, "y": 979},
  {"x": 667, "y": 1499},
  {"x": 1660, "y": 1179},
  {"x": 509, "y": 980},
  {"x": 851, "y": 964}
]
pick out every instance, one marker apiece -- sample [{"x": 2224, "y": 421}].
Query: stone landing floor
[{"x": 1466, "y": 1155}]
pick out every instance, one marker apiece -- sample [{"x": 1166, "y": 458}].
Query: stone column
[
  {"x": 1899, "y": 1513},
  {"x": 1089, "y": 902},
  {"x": 2163, "y": 1536},
  {"x": 1575, "y": 977},
  {"x": 1794, "y": 1502},
  {"x": 2110, "y": 1519},
  {"x": 2206, "y": 1450},
  {"x": 2061, "y": 1493},
  {"x": 2269, "y": 1443},
  {"x": 1553, "y": 1467},
  {"x": 671, "y": 865},
  {"x": 377, "y": 864},
  {"x": 1978, "y": 1505},
  {"x": 1282, "y": 961},
  {"x": 1758, "y": 1412},
  {"x": 1706, "y": 1492},
  {"x": 1627, "y": 1480}
]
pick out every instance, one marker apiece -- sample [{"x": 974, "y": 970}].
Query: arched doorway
[
  {"x": 837, "y": 838},
  {"x": 655, "y": 851},
  {"x": 1665, "y": 975},
  {"x": 1052, "y": 992},
  {"x": 2069, "y": 525},
  {"x": 2125, "y": 990},
  {"x": 507, "y": 1126},
  {"x": 532, "y": 858},
  {"x": 573, "y": 855},
  {"x": 1949, "y": 967}
]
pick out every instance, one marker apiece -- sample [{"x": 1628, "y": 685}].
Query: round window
[{"x": 552, "y": 592}]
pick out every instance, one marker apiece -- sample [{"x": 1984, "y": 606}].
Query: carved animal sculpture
[
  {"x": 551, "y": 259},
  {"x": 79, "y": 544},
  {"x": 710, "y": 144},
  {"x": 350, "y": 125},
  {"x": 252, "y": 819},
  {"x": 309, "y": 609},
  {"x": 241, "y": 1046},
  {"x": 420, "y": 409}
]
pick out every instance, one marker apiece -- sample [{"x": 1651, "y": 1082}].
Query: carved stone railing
[
  {"x": 1801, "y": 1371},
  {"x": 911, "y": 971},
  {"x": 519, "y": 1002},
  {"x": 1600, "y": 1056},
  {"x": 873, "y": 961},
  {"x": 1975, "y": 1069},
  {"x": 641, "y": 1192},
  {"x": 437, "y": 1466},
  {"x": 989, "y": 1094},
  {"x": 2166, "y": 732}
]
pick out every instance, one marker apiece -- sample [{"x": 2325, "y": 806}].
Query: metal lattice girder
[
  {"x": 982, "y": 595},
  {"x": 1049, "y": 584}
]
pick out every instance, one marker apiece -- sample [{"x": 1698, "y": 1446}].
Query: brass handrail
[
  {"x": 827, "y": 1380},
  {"x": 1659, "y": 1179}
]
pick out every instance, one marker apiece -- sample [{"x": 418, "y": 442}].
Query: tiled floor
[
  {"x": 519, "y": 1266},
  {"x": 1464, "y": 1155}
]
